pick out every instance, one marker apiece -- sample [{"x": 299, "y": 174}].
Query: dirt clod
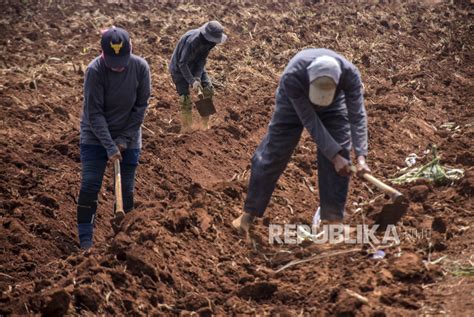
[
  {"x": 257, "y": 291},
  {"x": 139, "y": 265},
  {"x": 439, "y": 225},
  {"x": 179, "y": 220},
  {"x": 56, "y": 304},
  {"x": 47, "y": 201},
  {"x": 419, "y": 193},
  {"x": 193, "y": 302},
  {"x": 86, "y": 297},
  {"x": 407, "y": 267}
]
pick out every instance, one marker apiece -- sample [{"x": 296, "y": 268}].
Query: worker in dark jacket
[
  {"x": 116, "y": 93},
  {"x": 187, "y": 67},
  {"x": 321, "y": 91}
]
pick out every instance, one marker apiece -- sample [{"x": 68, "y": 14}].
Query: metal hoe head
[
  {"x": 392, "y": 213},
  {"x": 205, "y": 107}
]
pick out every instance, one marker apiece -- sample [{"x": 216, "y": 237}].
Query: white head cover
[{"x": 324, "y": 73}]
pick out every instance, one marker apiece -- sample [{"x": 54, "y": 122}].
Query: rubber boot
[
  {"x": 86, "y": 210},
  {"x": 186, "y": 113},
  {"x": 208, "y": 93},
  {"x": 243, "y": 223},
  {"x": 205, "y": 122}
]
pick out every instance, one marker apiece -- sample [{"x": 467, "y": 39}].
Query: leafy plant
[{"x": 433, "y": 171}]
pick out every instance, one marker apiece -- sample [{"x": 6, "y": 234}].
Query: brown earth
[{"x": 177, "y": 253}]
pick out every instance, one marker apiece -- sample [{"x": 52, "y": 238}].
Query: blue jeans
[
  {"x": 94, "y": 161},
  {"x": 275, "y": 150},
  {"x": 93, "y": 174}
]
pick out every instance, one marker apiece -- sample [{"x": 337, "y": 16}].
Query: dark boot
[
  {"x": 86, "y": 210},
  {"x": 128, "y": 202}
]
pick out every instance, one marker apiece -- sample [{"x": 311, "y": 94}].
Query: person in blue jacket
[
  {"x": 322, "y": 92},
  {"x": 187, "y": 67},
  {"x": 116, "y": 93}
]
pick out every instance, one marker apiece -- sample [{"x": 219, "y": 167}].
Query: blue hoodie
[{"x": 115, "y": 104}]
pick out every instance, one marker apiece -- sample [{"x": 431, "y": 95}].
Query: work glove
[{"x": 196, "y": 85}]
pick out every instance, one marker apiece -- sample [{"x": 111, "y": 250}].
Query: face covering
[
  {"x": 114, "y": 69},
  {"x": 118, "y": 69},
  {"x": 205, "y": 41}
]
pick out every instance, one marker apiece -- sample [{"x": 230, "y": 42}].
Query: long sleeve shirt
[
  {"x": 115, "y": 104},
  {"x": 190, "y": 56},
  {"x": 294, "y": 87}
]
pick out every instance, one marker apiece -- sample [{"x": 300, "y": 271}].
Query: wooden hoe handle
[
  {"x": 392, "y": 192},
  {"x": 200, "y": 93},
  {"x": 118, "y": 187}
]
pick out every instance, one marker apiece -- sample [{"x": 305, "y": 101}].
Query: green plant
[{"x": 433, "y": 171}]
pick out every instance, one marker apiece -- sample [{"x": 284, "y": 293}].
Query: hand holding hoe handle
[{"x": 392, "y": 192}]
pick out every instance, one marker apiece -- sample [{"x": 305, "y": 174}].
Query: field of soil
[{"x": 177, "y": 253}]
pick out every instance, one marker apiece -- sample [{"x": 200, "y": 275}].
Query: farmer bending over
[
  {"x": 321, "y": 91},
  {"x": 187, "y": 67},
  {"x": 116, "y": 92}
]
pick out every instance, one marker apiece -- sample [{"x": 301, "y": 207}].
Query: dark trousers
[
  {"x": 275, "y": 150},
  {"x": 94, "y": 161},
  {"x": 93, "y": 174}
]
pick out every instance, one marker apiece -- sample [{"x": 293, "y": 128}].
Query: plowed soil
[{"x": 177, "y": 252}]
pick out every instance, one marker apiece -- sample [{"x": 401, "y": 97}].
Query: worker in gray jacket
[
  {"x": 187, "y": 67},
  {"x": 321, "y": 91},
  {"x": 116, "y": 92}
]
